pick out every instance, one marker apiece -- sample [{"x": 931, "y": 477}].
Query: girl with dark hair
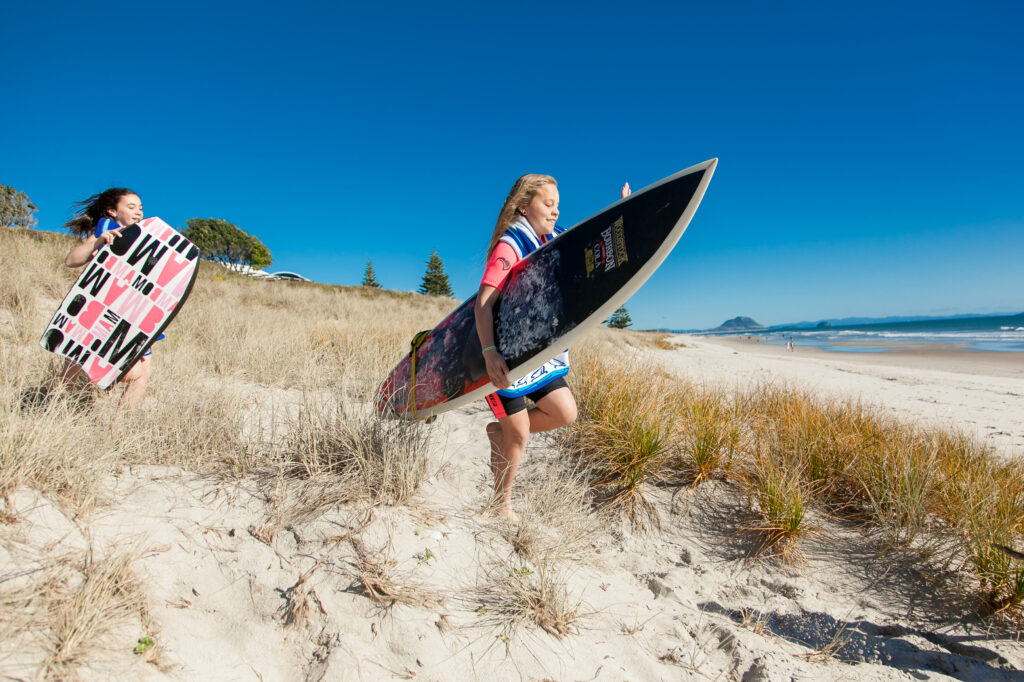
[
  {"x": 98, "y": 221},
  {"x": 525, "y": 223}
]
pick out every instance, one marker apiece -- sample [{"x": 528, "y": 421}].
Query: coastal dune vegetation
[
  {"x": 270, "y": 384},
  {"x": 934, "y": 492}
]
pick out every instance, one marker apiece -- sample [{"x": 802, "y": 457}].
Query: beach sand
[{"x": 222, "y": 563}]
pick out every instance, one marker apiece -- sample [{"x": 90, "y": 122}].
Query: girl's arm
[
  {"x": 483, "y": 310},
  {"x": 83, "y": 253}
]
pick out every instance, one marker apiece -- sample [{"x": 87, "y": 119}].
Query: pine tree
[
  {"x": 435, "y": 282},
  {"x": 369, "y": 279},
  {"x": 620, "y": 319}
]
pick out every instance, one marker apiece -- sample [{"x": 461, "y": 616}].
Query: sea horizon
[{"x": 995, "y": 333}]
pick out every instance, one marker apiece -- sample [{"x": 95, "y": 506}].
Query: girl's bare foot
[{"x": 505, "y": 511}]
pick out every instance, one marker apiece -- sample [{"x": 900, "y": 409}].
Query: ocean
[{"x": 997, "y": 333}]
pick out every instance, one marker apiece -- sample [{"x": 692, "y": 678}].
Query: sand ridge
[{"x": 242, "y": 586}]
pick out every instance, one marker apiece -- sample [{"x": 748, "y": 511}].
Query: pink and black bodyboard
[{"x": 125, "y": 298}]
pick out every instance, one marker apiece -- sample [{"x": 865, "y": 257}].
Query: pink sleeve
[{"x": 498, "y": 265}]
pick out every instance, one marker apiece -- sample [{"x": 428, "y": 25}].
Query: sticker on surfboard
[{"x": 123, "y": 300}]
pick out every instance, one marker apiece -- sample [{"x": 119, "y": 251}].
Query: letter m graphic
[
  {"x": 96, "y": 276},
  {"x": 151, "y": 250},
  {"x": 115, "y": 348}
]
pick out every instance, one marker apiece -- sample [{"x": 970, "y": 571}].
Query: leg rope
[{"x": 414, "y": 346}]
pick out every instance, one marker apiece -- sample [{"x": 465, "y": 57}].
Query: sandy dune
[{"x": 222, "y": 563}]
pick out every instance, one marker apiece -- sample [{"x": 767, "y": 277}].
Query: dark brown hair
[{"x": 89, "y": 211}]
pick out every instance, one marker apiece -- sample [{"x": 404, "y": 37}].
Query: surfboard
[
  {"x": 551, "y": 298},
  {"x": 124, "y": 299}
]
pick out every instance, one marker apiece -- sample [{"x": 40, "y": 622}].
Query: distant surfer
[
  {"x": 98, "y": 221},
  {"x": 525, "y": 223}
]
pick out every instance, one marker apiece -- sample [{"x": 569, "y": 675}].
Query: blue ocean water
[{"x": 997, "y": 333}]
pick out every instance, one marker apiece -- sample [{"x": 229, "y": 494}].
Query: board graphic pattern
[
  {"x": 551, "y": 297},
  {"x": 125, "y": 297}
]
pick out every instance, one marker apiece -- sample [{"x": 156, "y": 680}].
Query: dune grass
[
  {"x": 255, "y": 378},
  {"x": 929, "y": 490},
  {"x": 228, "y": 385},
  {"x": 624, "y": 433}
]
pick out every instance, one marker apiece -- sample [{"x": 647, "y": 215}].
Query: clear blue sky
[{"x": 871, "y": 154}]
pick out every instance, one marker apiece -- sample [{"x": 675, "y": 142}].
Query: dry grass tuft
[
  {"x": 82, "y": 616},
  {"x": 375, "y": 576},
  {"x": 67, "y": 614},
  {"x": 366, "y": 456},
  {"x": 518, "y": 596},
  {"x": 558, "y": 523},
  {"x": 299, "y": 600}
]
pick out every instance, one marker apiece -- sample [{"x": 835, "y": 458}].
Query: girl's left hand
[{"x": 626, "y": 191}]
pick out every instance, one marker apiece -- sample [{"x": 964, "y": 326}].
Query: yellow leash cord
[{"x": 414, "y": 346}]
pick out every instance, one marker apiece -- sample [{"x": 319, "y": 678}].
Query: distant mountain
[
  {"x": 854, "y": 321},
  {"x": 738, "y": 324}
]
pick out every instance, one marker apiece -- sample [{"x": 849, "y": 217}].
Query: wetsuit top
[
  {"x": 519, "y": 241},
  {"x": 106, "y": 225}
]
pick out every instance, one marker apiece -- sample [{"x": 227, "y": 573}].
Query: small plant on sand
[
  {"x": 375, "y": 576},
  {"x": 516, "y": 596}
]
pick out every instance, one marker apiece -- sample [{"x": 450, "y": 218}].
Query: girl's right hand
[
  {"x": 108, "y": 237},
  {"x": 497, "y": 370}
]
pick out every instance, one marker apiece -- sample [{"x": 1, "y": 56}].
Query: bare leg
[
  {"x": 508, "y": 438},
  {"x": 135, "y": 382}
]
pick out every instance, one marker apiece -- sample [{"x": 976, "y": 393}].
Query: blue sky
[{"x": 871, "y": 154}]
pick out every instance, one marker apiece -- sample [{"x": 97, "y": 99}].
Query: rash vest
[{"x": 523, "y": 241}]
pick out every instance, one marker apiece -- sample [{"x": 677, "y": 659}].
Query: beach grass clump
[
  {"x": 709, "y": 434},
  {"x": 60, "y": 447},
  {"x": 900, "y": 486},
  {"x": 983, "y": 502},
  {"x": 624, "y": 433},
  {"x": 823, "y": 439},
  {"x": 375, "y": 576},
  {"x": 364, "y": 454},
  {"x": 515, "y": 596},
  {"x": 778, "y": 493}
]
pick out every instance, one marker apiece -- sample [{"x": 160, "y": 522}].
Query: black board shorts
[{"x": 503, "y": 407}]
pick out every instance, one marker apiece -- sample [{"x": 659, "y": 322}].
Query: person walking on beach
[
  {"x": 525, "y": 223},
  {"x": 98, "y": 221}
]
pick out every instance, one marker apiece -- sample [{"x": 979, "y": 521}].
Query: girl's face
[
  {"x": 128, "y": 211},
  {"x": 542, "y": 211}
]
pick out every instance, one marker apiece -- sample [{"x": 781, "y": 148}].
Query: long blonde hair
[{"x": 519, "y": 197}]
